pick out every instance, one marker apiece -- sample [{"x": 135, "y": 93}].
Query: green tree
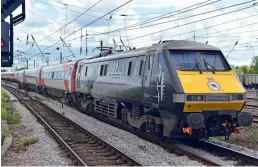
[
  {"x": 254, "y": 65},
  {"x": 245, "y": 69},
  {"x": 237, "y": 69}
]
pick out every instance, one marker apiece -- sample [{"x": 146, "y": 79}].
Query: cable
[
  {"x": 44, "y": 17},
  {"x": 188, "y": 23},
  {"x": 191, "y": 16},
  {"x": 64, "y": 8},
  {"x": 71, "y": 20},
  {"x": 227, "y": 29},
  {"x": 113, "y": 14},
  {"x": 192, "y": 30},
  {"x": 92, "y": 22},
  {"x": 79, "y": 12},
  {"x": 160, "y": 17},
  {"x": 103, "y": 12}
]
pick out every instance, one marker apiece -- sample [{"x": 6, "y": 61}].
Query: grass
[
  {"x": 7, "y": 112},
  {"x": 24, "y": 141},
  {"x": 6, "y": 132},
  {"x": 248, "y": 137}
]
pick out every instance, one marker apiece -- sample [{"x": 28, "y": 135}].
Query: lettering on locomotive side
[
  {"x": 160, "y": 86},
  {"x": 116, "y": 75}
]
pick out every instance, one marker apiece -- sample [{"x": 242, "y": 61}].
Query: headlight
[
  {"x": 236, "y": 97},
  {"x": 194, "y": 97}
]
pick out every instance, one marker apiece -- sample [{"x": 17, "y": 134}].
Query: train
[
  {"x": 249, "y": 81},
  {"x": 176, "y": 89}
]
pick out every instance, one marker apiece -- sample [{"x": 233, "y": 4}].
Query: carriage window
[
  {"x": 101, "y": 70},
  {"x": 106, "y": 68},
  {"x": 129, "y": 68},
  {"x": 58, "y": 75},
  {"x": 148, "y": 61},
  {"x": 117, "y": 65},
  {"x": 86, "y": 70},
  {"x": 161, "y": 61},
  {"x": 140, "y": 70},
  {"x": 61, "y": 75},
  {"x": 80, "y": 68}
]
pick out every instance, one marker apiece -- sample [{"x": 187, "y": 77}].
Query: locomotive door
[
  {"x": 147, "y": 76},
  {"x": 70, "y": 80}
]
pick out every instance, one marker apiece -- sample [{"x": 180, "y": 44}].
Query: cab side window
[
  {"x": 129, "y": 68},
  {"x": 103, "y": 69},
  {"x": 140, "y": 68}
]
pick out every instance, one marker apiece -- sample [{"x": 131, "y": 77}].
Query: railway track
[
  {"x": 82, "y": 146},
  {"x": 166, "y": 145},
  {"x": 255, "y": 120},
  {"x": 243, "y": 159},
  {"x": 250, "y": 103}
]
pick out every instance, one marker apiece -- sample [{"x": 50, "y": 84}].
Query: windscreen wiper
[
  {"x": 209, "y": 65},
  {"x": 197, "y": 64}
]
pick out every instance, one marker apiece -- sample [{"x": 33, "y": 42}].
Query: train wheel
[
  {"x": 89, "y": 105},
  {"x": 83, "y": 103},
  {"x": 124, "y": 115}
]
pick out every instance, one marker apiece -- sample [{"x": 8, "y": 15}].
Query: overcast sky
[{"x": 44, "y": 17}]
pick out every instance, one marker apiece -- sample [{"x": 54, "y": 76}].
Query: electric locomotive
[{"x": 176, "y": 89}]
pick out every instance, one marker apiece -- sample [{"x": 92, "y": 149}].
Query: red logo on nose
[{"x": 214, "y": 85}]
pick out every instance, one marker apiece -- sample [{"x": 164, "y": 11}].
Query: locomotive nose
[{"x": 245, "y": 119}]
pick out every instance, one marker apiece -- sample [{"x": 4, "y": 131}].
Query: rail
[
  {"x": 84, "y": 147},
  {"x": 244, "y": 159},
  {"x": 169, "y": 146}
]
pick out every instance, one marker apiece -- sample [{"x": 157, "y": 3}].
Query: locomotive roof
[
  {"x": 184, "y": 44},
  {"x": 59, "y": 65},
  {"x": 172, "y": 44}
]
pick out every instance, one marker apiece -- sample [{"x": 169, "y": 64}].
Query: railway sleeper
[
  {"x": 86, "y": 145},
  {"x": 108, "y": 163},
  {"x": 92, "y": 148},
  {"x": 85, "y": 141},
  {"x": 99, "y": 158},
  {"x": 109, "y": 153}
]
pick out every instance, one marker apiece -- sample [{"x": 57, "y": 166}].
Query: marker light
[{"x": 2, "y": 42}]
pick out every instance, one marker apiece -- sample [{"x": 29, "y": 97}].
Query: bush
[
  {"x": 23, "y": 142},
  {"x": 6, "y": 110}
]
